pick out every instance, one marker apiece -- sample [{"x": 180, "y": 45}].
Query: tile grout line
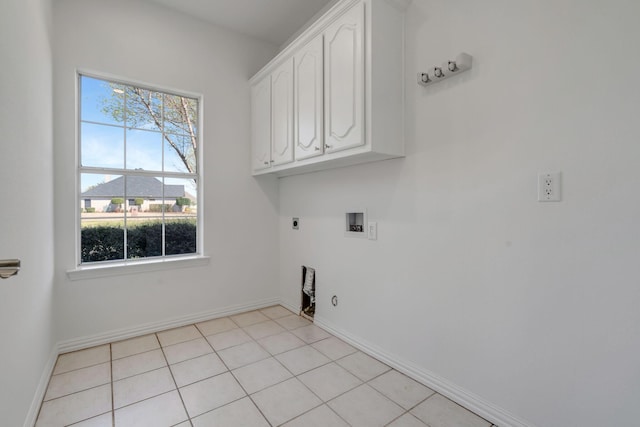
[
  {"x": 174, "y": 381},
  {"x": 241, "y": 386},
  {"x": 113, "y": 411},
  {"x": 75, "y": 392},
  {"x": 296, "y": 377},
  {"x": 269, "y": 356}
]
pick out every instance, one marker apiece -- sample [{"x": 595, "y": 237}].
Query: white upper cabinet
[
  {"x": 308, "y": 93},
  {"x": 282, "y": 114},
  {"x": 336, "y": 92},
  {"x": 261, "y": 124},
  {"x": 344, "y": 81}
]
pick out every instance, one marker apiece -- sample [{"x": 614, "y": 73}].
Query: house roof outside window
[{"x": 144, "y": 187}]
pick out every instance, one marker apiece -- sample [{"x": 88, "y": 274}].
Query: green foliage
[
  {"x": 89, "y": 210},
  {"x": 159, "y": 207},
  {"x": 117, "y": 201},
  {"x": 105, "y": 243},
  {"x": 102, "y": 244},
  {"x": 183, "y": 201},
  {"x": 139, "y": 201}
]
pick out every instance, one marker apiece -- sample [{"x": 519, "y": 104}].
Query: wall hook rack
[
  {"x": 9, "y": 267},
  {"x": 447, "y": 69}
]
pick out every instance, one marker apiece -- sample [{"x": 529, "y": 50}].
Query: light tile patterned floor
[{"x": 266, "y": 367}]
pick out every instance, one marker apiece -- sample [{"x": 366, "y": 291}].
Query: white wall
[
  {"x": 532, "y": 307},
  {"x": 145, "y": 42},
  {"x": 26, "y": 229}
]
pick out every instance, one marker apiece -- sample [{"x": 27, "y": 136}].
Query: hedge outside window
[{"x": 138, "y": 172}]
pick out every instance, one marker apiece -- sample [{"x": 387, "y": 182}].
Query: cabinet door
[
  {"x": 282, "y": 114},
  {"x": 261, "y": 124},
  {"x": 308, "y": 127},
  {"x": 344, "y": 81}
]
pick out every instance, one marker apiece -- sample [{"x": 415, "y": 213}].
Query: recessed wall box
[{"x": 356, "y": 223}]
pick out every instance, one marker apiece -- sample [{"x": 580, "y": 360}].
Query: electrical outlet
[{"x": 549, "y": 187}]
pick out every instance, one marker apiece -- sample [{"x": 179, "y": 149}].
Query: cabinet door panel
[
  {"x": 282, "y": 114},
  {"x": 308, "y": 127},
  {"x": 344, "y": 81},
  {"x": 261, "y": 124}
]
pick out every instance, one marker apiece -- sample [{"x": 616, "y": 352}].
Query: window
[{"x": 138, "y": 172}]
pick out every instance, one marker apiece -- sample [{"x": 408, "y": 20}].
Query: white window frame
[{"x": 126, "y": 266}]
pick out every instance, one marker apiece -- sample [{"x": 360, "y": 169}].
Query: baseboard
[
  {"x": 289, "y": 306},
  {"x": 38, "y": 396},
  {"x": 472, "y": 402},
  {"x": 148, "y": 328}
]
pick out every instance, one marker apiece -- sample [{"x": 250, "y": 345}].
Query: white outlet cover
[{"x": 549, "y": 187}]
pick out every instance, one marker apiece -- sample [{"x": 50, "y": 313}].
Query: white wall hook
[{"x": 462, "y": 63}]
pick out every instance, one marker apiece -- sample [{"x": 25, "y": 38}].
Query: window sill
[{"x": 135, "y": 267}]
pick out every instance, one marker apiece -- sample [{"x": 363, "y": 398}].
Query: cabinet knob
[
  {"x": 327, "y": 146},
  {"x": 266, "y": 163},
  {"x": 271, "y": 161},
  {"x": 317, "y": 148}
]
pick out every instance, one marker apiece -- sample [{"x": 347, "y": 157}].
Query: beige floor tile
[
  {"x": 322, "y": 416},
  {"x": 407, "y": 420},
  {"x": 329, "y": 381},
  {"x": 178, "y": 335},
  {"x": 292, "y": 322},
  {"x": 228, "y": 339},
  {"x": 139, "y": 387},
  {"x": 330, "y": 370},
  {"x": 134, "y": 346},
  {"x": 333, "y": 348},
  {"x": 401, "y": 389},
  {"x": 104, "y": 420},
  {"x": 187, "y": 350},
  {"x": 438, "y": 411},
  {"x": 243, "y": 354},
  {"x": 365, "y": 407},
  {"x": 261, "y": 375},
  {"x": 78, "y": 380},
  {"x": 75, "y": 407},
  {"x": 138, "y": 364},
  {"x": 285, "y": 401},
  {"x": 246, "y": 319},
  {"x": 239, "y": 413},
  {"x": 165, "y": 410},
  {"x": 363, "y": 366},
  {"x": 211, "y": 393},
  {"x": 276, "y": 312},
  {"x": 215, "y": 326},
  {"x": 285, "y": 341},
  {"x": 82, "y": 359},
  {"x": 310, "y": 334},
  {"x": 302, "y": 359},
  {"x": 197, "y": 369},
  {"x": 263, "y": 329}
]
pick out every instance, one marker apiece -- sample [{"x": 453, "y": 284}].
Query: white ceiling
[{"x": 274, "y": 21}]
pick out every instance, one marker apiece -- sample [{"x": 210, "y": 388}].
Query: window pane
[
  {"x": 180, "y": 115},
  {"x": 126, "y": 130},
  {"x": 144, "y": 216},
  {"x": 179, "y": 154},
  {"x": 181, "y": 221},
  {"x": 101, "y": 101},
  {"x": 102, "y": 146},
  {"x": 102, "y": 217},
  {"x": 144, "y": 150},
  {"x": 144, "y": 109}
]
